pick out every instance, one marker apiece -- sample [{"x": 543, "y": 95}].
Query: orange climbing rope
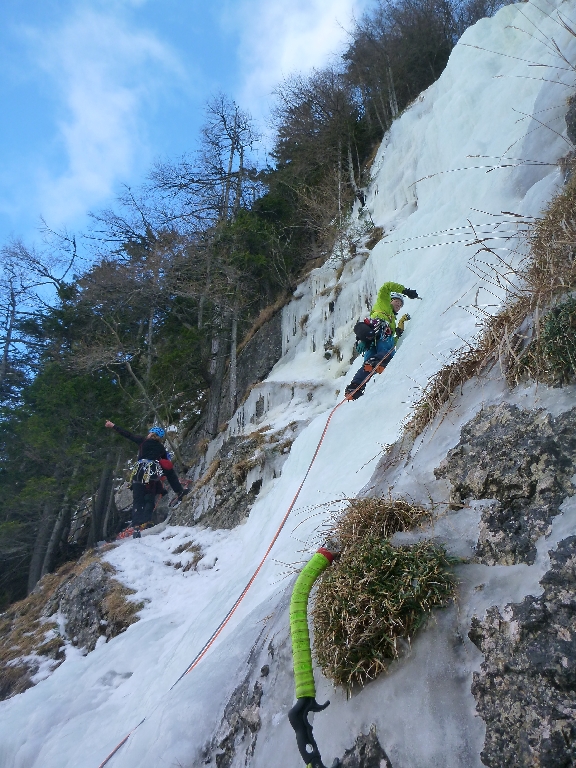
[{"x": 211, "y": 640}]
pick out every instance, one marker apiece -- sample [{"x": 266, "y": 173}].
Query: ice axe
[{"x": 303, "y": 676}]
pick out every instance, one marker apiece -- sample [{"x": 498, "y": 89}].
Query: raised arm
[{"x": 138, "y": 439}]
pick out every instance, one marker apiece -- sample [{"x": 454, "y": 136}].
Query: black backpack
[{"x": 365, "y": 332}]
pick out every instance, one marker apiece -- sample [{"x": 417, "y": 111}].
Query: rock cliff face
[
  {"x": 231, "y": 477},
  {"x": 255, "y": 362},
  {"x": 526, "y": 688},
  {"x": 524, "y": 460},
  {"x": 91, "y": 606}
]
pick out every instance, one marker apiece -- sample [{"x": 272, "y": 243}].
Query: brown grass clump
[
  {"x": 375, "y": 236},
  {"x": 547, "y": 276},
  {"x": 202, "y": 446},
  {"x": 372, "y": 600},
  {"x": 207, "y": 476},
  {"x": 241, "y": 468},
  {"x": 377, "y": 517},
  {"x": 376, "y": 595},
  {"x": 118, "y": 610},
  {"x": 188, "y": 546}
]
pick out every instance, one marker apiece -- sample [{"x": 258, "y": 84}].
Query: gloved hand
[
  {"x": 400, "y": 324},
  {"x": 411, "y": 293}
]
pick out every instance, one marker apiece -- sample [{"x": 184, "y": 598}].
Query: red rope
[{"x": 213, "y": 637}]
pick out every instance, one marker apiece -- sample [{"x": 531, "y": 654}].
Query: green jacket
[{"x": 383, "y": 308}]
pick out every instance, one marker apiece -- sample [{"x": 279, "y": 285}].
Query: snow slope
[{"x": 490, "y": 104}]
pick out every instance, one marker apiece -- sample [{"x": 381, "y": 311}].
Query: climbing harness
[
  {"x": 305, "y": 710},
  {"x": 145, "y": 470},
  {"x": 302, "y": 656}
]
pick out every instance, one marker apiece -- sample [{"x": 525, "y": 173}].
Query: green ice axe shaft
[{"x": 302, "y": 655}]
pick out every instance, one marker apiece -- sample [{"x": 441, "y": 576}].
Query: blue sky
[{"x": 93, "y": 91}]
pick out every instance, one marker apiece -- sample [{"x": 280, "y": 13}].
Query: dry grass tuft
[
  {"x": 118, "y": 610},
  {"x": 545, "y": 279},
  {"x": 373, "y": 601},
  {"x": 241, "y": 468},
  {"x": 376, "y": 595},
  {"x": 375, "y": 236},
  {"x": 202, "y": 446},
  {"x": 207, "y": 476},
  {"x": 197, "y": 555},
  {"x": 376, "y": 517}
]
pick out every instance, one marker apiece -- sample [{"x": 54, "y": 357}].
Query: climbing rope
[{"x": 213, "y": 637}]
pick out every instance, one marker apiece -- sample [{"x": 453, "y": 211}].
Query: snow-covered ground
[{"x": 428, "y": 193}]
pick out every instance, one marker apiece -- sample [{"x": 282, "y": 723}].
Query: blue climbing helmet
[{"x": 157, "y": 431}]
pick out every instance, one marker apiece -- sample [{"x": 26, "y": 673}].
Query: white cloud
[
  {"x": 105, "y": 73},
  {"x": 280, "y": 37}
]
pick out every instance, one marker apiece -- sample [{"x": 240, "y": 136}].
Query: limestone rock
[
  {"x": 524, "y": 459},
  {"x": 366, "y": 753},
  {"x": 526, "y": 689}
]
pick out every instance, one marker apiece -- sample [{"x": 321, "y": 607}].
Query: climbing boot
[
  {"x": 353, "y": 393},
  {"x": 374, "y": 365}
]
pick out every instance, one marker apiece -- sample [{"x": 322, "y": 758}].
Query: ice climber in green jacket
[{"x": 376, "y": 336}]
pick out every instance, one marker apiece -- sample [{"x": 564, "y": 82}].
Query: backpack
[{"x": 365, "y": 331}]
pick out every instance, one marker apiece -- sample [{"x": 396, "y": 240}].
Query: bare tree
[{"x": 28, "y": 280}]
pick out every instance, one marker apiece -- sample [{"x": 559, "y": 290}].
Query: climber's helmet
[
  {"x": 397, "y": 301},
  {"x": 157, "y": 432}
]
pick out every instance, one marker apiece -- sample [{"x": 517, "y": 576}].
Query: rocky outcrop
[
  {"x": 241, "y": 722},
  {"x": 92, "y": 605},
  {"x": 255, "y": 362},
  {"x": 523, "y": 459},
  {"x": 526, "y": 689},
  {"x": 79, "y": 602},
  {"x": 366, "y": 753},
  {"x": 78, "y": 605},
  {"x": 224, "y": 494}
]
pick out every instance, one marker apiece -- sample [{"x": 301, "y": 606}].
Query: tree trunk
[
  {"x": 233, "y": 364},
  {"x": 206, "y": 291},
  {"x": 40, "y": 544},
  {"x": 62, "y": 521},
  {"x": 9, "y": 330},
  {"x": 99, "y": 505},
  {"x": 111, "y": 506},
  {"x": 382, "y": 103},
  {"x": 239, "y": 181},
  {"x": 149, "y": 345},
  {"x": 218, "y": 365},
  {"x": 392, "y": 93},
  {"x": 228, "y": 180}
]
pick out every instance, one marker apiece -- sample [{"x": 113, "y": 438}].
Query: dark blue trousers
[{"x": 384, "y": 348}]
